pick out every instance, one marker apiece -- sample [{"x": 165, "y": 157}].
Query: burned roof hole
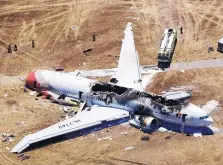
[{"x": 105, "y": 87}]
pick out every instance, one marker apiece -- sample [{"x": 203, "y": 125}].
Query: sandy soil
[{"x": 62, "y": 29}]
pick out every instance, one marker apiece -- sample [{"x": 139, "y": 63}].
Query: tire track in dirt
[
  {"x": 5, "y": 160},
  {"x": 147, "y": 21},
  {"x": 199, "y": 19},
  {"x": 214, "y": 16},
  {"x": 53, "y": 32}
]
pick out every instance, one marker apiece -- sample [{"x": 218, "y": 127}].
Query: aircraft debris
[
  {"x": 25, "y": 89},
  {"x": 105, "y": 138},
  {"x": 134, "y": 18},
  {"x": 21, "y": 124},
  {"x": 188, "y": 134},
  {"x": 86, "y": 52},
  {"x": 5, "y": 95},
  {"x": 82, "y": 106},
  {"x": 70, "y": 111},
  {"x": 129, "y": 148},
  {"x": 123, "y": 133},
  {"x": 65, "y": 109},
  {"x": 22, "y": 79},
  {"x": 20, "y": 155},
  {"x": 7, "y": 137},
  {"x": 197, "y": 135},
  {"x": 32, "y": 93},
  {"x": 7, "y": 148},
  {"x": 23, "y": 156},
  {"x": 144, "y": 138},
  {"x": 167, "y": 137},
  {"x": 74, "y": 27},
  {"x": 162, "y": 129},
  {"x": 59, "y": 68}
]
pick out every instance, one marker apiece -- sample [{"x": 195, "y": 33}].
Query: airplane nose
[
  {"x": 31, "y": 81},
  {"x": 209, "y": 120}
]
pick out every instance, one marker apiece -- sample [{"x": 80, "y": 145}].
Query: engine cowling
[{"x": 147, "y": 123}]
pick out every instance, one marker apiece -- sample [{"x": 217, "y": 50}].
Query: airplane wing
[
  {"x": 128, "y": 72},
  {"x": 86, "y": 121}
]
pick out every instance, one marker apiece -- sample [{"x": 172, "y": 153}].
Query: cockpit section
[
  {"x": 106, "y": 87},
  {"x": 203, "y": 117}
]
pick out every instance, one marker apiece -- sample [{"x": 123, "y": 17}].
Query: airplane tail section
[{"x": 128, "y": 73}]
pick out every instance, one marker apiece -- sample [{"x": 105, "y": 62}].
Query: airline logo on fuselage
[{"x": 69, "y": 124}]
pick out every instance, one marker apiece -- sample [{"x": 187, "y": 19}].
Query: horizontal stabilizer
[{"x": 177, "y": 95}]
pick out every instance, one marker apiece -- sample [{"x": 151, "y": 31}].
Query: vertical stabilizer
[{"x": 128, "y": 73}]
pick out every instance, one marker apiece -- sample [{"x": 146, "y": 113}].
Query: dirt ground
[{"x": 62, "y": 30}]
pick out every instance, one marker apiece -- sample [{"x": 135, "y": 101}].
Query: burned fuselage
[{"x": 136, "y": 102}]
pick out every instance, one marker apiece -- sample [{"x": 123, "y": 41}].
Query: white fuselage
[{"x": 80, "y": 88}]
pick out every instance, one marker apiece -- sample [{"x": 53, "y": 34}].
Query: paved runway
[{"x": 147, "y": 69}]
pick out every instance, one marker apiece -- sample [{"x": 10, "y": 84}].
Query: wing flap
[{"x": 86, "y": 119}]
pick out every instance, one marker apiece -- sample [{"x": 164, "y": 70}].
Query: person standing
[
  {"x": 181, "y": 30},
  {"x": 33, "y": 44},
  {"x": 9, "y": 49},
  {"x": 15, "y": 47}
]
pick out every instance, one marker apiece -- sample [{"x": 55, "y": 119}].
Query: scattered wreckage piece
[
  {"x": 167, "y": 137},
  {"x": 87, "y": 51},
  {"x": 129, "y": 148},
  {"x": 59, "y": 68},
  {"x": 59, "y": 99},
  {"x": 145, "y": 138},
  {"x": 70, "y": 111},
  {"x": 22, "y": 156},
  {"x": 7, "y": 137}
]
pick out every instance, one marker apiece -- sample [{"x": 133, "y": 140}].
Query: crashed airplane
[{"x": 120, "y": 100}]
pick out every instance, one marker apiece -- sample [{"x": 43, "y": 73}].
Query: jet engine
[{"x": 146, "y": 123}]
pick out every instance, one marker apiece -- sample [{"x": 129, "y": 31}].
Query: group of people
[{"x": 15, "y": 47}]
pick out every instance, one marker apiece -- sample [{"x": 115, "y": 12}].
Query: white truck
[
  {"x": 167, "y": 47},
  {"x": 220, "y": 45}
]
